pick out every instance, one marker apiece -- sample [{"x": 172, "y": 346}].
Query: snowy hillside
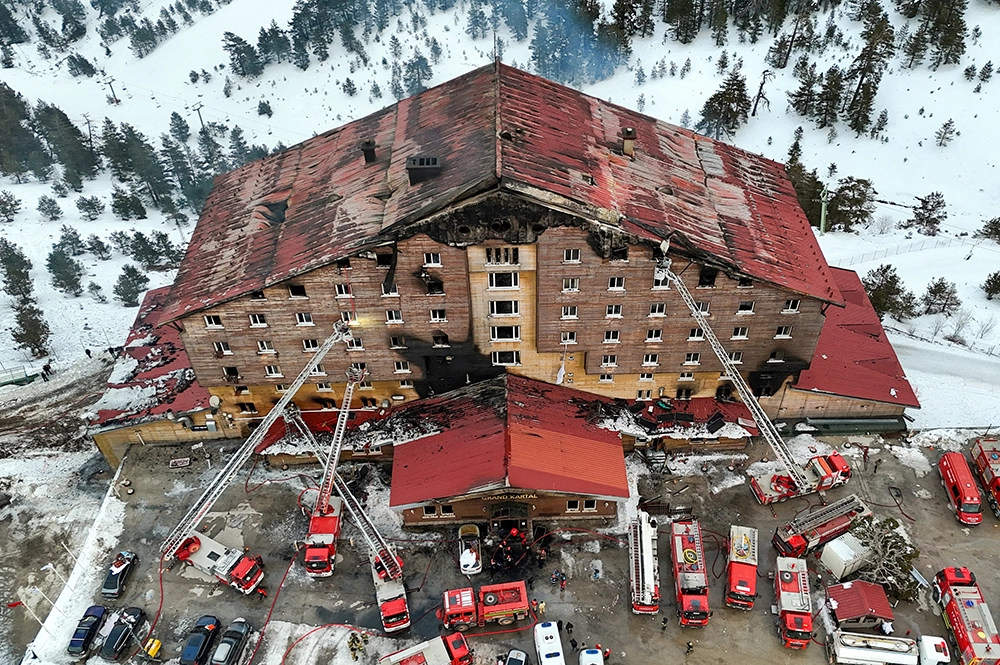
[{"x": 906, "y": 164}]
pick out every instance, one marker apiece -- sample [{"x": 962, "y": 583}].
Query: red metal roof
[
  {"x": 162, "y": 369},
  {"x": 853, "y": 357},
  {"x": 495, "y": 127},
  {"x": 508, "y": 432},
  {"x": 859, "y": 599}
]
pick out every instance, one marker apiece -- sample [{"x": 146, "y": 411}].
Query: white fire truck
[
  {"x": 644, "y": 565},
  {"x": 791, "y": 595}
]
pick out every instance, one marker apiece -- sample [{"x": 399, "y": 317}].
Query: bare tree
[
  {"x": 961, "y": 320},
  {"x": 984, "y": 327},
  {"x": 891, "y": 558},
  {"x": 766, "y": 76},
  {"x": 882, "y": 225},
  {"x": 937, "y": 326}
]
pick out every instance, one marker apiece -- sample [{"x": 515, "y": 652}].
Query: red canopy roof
[
  {"x": 495, "y": 128},
  {"x": 859, "y": 599},
  {"x": 509, "y": 432},
  {"x": 853, "y": 357}
]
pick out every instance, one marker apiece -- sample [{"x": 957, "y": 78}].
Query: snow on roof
[{"x": 679, "y": 419}]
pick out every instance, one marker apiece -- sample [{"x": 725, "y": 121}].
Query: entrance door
[{"x": 509, "y": 515}]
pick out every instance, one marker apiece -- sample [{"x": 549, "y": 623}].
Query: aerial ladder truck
[
  {"x": 188, "y": 542},
  {"x": 821, "y": 473},
  {"x": 324, "y": 524}
]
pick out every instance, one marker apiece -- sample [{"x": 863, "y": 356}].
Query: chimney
[
  {"x": 628, "y": 142},
  {"x": 422, "y": 168},
  {"x": 368, "y": 147}
]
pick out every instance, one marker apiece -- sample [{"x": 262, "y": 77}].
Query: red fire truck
[
  {"x": 986, "y": 455},
  {"x": 961, "y": 488},
  {"x": 503, "y": 603},
  {"x": 230, "y": 565},
  {"x": 742, "y": 571},
  {"x": 449, "y": 650},
  {"x": 690, "y": 574},
  {"x": 644, "y": 565},
  {"x": 967, "y": 617},
  {"x": 806, "y": 533},
  {"x": 821, "y": 473},
  {"x": 791, "y": 593}
]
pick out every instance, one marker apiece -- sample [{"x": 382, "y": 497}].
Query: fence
[{"x": 915, "y": 246}]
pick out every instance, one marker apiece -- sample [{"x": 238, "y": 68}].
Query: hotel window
[
  {"x": 355, "y": 344},
  {"x": 736, "y": 357},
  {"x": 430, "y": 511},
  {"x": 320, "y": 370},
  {"x": 692, "y": 358},
  {"x": 740, "y": 332},
  {"x": 777, "y": 356},
  {"x": 304, "y": 319},
  {"x": 343, "y": 264},
  {"x": 572, "y": 506},
  {"x": 350, "y": 318},
  {"x": 684, "y": 393},
  {"x": 658, "y": 309},
  {"x": 393, "y": 316},
  {"x": 440, "y": 340},
  {"x": 365, "y": 385},
  {"x": 504, "y": 280},
  {"x": 502, "y": 256},
  {"x": 258, "y": 320},
  {"x": 609, "y": 361},
  {"x": 654, "y": 335},
  {"x": 257, "y": 295},
  {"x": 432, "y": 259},
  {"x": 222, "y": 348},
  {"x": 447, "y": 511},
  {"x": 686, "y": 376},
  {"x": 606, "y": 378},
  {"x": 246, "y": 407},
  {"x": 703, "y": 307},
  {"x": 650, "y": 360},
  {"x": 661, "y": 283},
  {"x": 571, "y": 256},
  {"x": 505, "y": 333},
  {"x": 438, "y": 315},
  {"x": 506, "y": 357},
  {"x": 745, "y": 283},
  {"x": 297, "y": 291},
  {"x": 746, "y": 307},
  {"x": 402, "y": 367},
  {"x": 397, "y": 342},
  {"x": 344, "y": 291},
  {"x": 613, "y": 312},
  {"x": 280, "y": 387},
  {"x": 589, "y": 505},
  {"x": 265, "y": 346},
  {"x": 571, "y": 284},
  {"x": 696, "y": 334},
  {"x": 406, "y": 383},
  {"x": 706, "y": 277},
  {"x": 360, "y": 367},
  {"x": 383, "y": 260},
  {"x": 272, "y": 370},
  {"x": 645, "y": 376},
  {"x": 505, "y": 307},
  {"x": 612, "y": 336},
  {"x": 569, "y": 312},
  {"x": 567, "y": 338},
  {"x": 390, "y": 290},
  {"x": 323, "y": 386},
  {"x": 309, "y": 345},
  {"x": 783, "y": 332},
  {"x": 616, "y": 283},
  {"x": 231, "y": 373},
  {"x": 214, "y": 321},
  {"x": 791, "y": 306},
  {"x": 644, "y": 395}
]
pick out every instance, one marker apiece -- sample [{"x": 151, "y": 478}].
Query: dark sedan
[
  {"x": 85, "y": 631},
  {"x": 199, "y": 641},
  {"x": 118, "y": 574},
  {"x": 125, "y": 633},
  {"x": 232, "y": 643}
]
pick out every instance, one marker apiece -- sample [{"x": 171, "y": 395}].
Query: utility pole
[
  {"x": 197, "y": 107},
  {"x": 823, "y": 199},
  {"x": 108, "y": 80},
  {"x": 90, "y": 134}
]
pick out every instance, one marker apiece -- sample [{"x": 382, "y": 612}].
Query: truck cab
[
  {"x": 741, "y": 588},
  {"x": 961, "y": 488}
]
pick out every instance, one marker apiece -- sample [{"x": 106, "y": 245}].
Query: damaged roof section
[
  {"x": 350, "y": 188},
  {"x": 152, "y": 377}
]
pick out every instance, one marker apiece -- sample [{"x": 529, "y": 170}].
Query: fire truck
[
  {"x": 503, "y": 603},
  {"x": 390, "y": 593},
  {"x": 230, "y": 565},
  {"x": 690, "y": 574},
  {"x": 804, "y": 534},
  {"x": 644, "y": 565},
  {"x": 791, "y": 594},
  {"x": 967, "y": 617},
  {"x": 449, "y": 650},
  {"x": 986, "y": 455},
  {"x": 742, "y": 570},
  {"x": 820, "y": 474}
]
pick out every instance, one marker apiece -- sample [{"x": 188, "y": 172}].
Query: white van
[
  {"x": 548, "y": 645},
  {"x": 591, "y": 657}
]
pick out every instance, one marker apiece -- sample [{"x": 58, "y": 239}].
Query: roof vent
[
  {"x": 628, "y": 141},
  {"x": 422, "y": 168},
  {"x": 368, "y": 148}
]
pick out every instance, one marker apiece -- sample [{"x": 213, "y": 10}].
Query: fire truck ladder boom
[
  {"x": 354, "y": 376},
  {"x": 376, "y": 542},
  {"x": 764, "y": 424},
  {"x": 341, "y": 332},
  {"x": 849, "y": 504}
]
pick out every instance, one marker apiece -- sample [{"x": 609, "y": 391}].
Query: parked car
[
  {"x": 118, "y": 574},
  {"x": 470, "y": 560},
  {"x": 516, "y": 657},
  {"x": 125, "y": 633},
  {"x": 232, "y": 643},
  {"x": 86, "y": 629},
  {"x": 199, "y": 641}
]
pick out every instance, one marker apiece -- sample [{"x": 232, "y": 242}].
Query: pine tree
[
  {"x": 992, "y": 285},
  {"x": 179, "y": 128},
  {"x": 30, "y": 332},
  {"x": 243, "y": 58},
  {"x": 990, "y": 230},
  {"x": 70, "y": 241},
  {"x": 726, "y": 110},
  {"x": 477, "y": 24},
  {"x": 10, "y": 205},
  {"x": 945, "y": 23},
  {"x": 969, "y": 72},
  {"x": 941, "y": 297},
  {"x": 718, "y": 21},
  {"x": 96, "y": 292},
  {"x": 722, "y": 63},
  {"x": 915, "y": 47},
  {"x": 683, "y": 18},
  {"x": 416, "y": 71},
  {"x": 640, "y": 75},
  {"x": 515, "y": 17},
  {"x": 66, "y": 272},
  {"x": 48, "y": 208},
  {"x": 928, "y": 216},
  {"x": 264, "y": 108},
  {"x": 16, "y": 268},
  {"x": 880, "y": 124},
  {"x": 239, "y": 151},
  {"x": 98, "y": 247},
  {"x": 349, "y": 88},
  {"x": 22, "y": 152},
  {"x": 986, "y": 73},
  {"x": 130, "y": 285},
  {"x": 888, "y": 295},
  {"x": 90, "y": 207},
  {"x": 853, "y": 204},
  {"x": 828, "y": 101},
  {"x": 946, "y": 134}
]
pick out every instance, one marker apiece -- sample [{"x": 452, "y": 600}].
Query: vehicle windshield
[
  {"x": 252, "y": 572},
  {"x": 696, "y": 616},
  {"x": 741, "y": 596},
  {"x": 799, "y": 635},
  {"x": 395, "y": 618},
  {"x": 971, "y": 508},
  {"x": 222, "y": 652}
]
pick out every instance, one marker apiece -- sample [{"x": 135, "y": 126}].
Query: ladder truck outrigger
[
  {"x": 325, "y": 521},
  {"x": 821, "y": 473},
  {"x": 644, "y": 564},
  {"x": 188, "y": 543}
]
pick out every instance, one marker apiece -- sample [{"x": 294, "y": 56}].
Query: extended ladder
[
  {"x": 764, "y": 424},
  {"x": 341, "y": 332},
  {"x": 354, "y": 377},
  {"x": 847, "y": 505}
]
